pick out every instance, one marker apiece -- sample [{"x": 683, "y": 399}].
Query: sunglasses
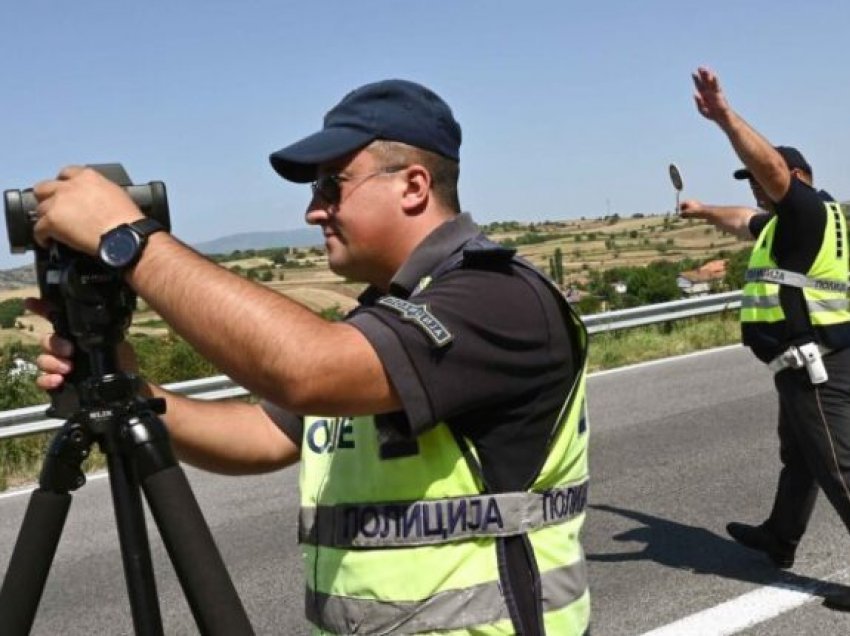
[{"x": 329, "y": 186}]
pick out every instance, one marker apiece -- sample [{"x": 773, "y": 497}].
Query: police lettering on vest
[
  {"x": 443, "y": 520},
  {"x": 326, "y": 435}
]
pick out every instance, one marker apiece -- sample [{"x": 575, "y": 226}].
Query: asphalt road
[{"x": 679, "y": 448}]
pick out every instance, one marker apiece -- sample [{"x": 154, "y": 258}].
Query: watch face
[{"x": 119, "y": 247}]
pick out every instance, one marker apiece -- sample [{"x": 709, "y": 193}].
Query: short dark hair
[{"x": 444, "y": 171}]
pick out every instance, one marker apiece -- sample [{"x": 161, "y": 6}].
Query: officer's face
[
  {"x": 355, "y": 203},
  {"x": 760, "y": 196}
]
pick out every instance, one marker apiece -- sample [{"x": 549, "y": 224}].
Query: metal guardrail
[
  {"x": 31, "y": 419},
  {"x": 662, "y": 312}
]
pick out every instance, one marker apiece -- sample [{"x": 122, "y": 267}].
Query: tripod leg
[
  {"x": 31, "y": 560},
  {"x": 135, "y": 548},
  {"x": 200, "y": 568},
  {"x": 42, "y": 528},
  {"x": 190, "y": 544}
]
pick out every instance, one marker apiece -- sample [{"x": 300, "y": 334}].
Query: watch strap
[{"x": 146, "y": 226}]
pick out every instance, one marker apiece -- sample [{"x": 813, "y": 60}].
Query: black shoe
[
  {"x": 839, "y": 601},
  {"x": 780, "y": 552}
]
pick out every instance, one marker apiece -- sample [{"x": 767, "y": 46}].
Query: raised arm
[{"x": 757, "y": 153}]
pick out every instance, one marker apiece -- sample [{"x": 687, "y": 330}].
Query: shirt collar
[{"x": 444, "y": 241}]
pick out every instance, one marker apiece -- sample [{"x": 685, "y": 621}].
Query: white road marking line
[
  {"x": 735, "y": 615},
  {"x": 25, "y": 490}
]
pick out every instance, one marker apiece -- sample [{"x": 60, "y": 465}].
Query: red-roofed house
[{"x": 701, "y": 281}]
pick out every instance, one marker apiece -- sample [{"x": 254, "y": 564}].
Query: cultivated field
[{"x": 586, "y": 244}]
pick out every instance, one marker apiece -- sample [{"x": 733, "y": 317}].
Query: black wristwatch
[{"x": 121, "y": 247}]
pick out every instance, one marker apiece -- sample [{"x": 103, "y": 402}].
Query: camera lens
[{"x": 19, "y": 207}]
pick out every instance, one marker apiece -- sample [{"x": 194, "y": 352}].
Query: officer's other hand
[
  {"x": 56, "y": 359},
  {"x": 78, "y": 207},
  {"x": 55, "y": 363},
  {"x": 692, "y": 209}
]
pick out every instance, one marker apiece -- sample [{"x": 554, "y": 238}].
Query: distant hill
[
  {"x": 304, "y": 237},
  {"x": 18, "y": 277}
]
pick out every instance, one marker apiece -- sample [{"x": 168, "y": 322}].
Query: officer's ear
[
  {"x": 417, "y": 188},
  {"x": 802, "y": 175}
]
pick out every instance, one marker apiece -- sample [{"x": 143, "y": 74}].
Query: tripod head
[{"x": 90, "y": 304}]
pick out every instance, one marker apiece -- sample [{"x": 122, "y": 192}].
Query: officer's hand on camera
[
  {"x": 78, "y": 207},
  {"x": 56, "y": 359}
]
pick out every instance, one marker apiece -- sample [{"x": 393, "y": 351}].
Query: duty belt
[{"x": 791, "y": 358}]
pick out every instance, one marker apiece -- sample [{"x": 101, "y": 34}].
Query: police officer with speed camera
[{"x": 440, "y": 427}]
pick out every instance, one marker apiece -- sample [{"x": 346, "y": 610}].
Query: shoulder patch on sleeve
[{"x": 420, "y": 316}]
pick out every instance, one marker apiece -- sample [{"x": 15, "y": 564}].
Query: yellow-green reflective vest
[
  {"x": 408, "y": 545},
  {"x": 824, "y": 286}
]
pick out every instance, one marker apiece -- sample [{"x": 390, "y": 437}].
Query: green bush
[
  {"x": 18, "y": 456},
  {"x": 169, "y": 359},
  {"x": 332, "y": 313}
]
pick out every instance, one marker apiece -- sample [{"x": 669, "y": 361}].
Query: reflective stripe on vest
[
  {"x": 772, "y": 302},
  {"x": 440, "y": 520},
  {"x": 794, "y": 279},
  {"x": 454, "y": 609},
  {"x": 824, "y": 286}
]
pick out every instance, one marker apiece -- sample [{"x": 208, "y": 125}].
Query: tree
[
  {"x": 559, "y": 266},
  {"x": 278, "y": 257},
  {"x": 10, "y": 311},
  {"x": 736, "y": 268}
]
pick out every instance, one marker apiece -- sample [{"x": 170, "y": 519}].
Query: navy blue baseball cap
[
  {"x": 394, "y": 110},
  {"x": 793, "y": 159}
]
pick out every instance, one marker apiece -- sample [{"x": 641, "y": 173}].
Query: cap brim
[
  {"x": 299, "y": 161},
  {"x": 742, "y": 174}
]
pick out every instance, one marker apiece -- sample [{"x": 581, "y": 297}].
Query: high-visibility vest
[
  {"x": 824, "y": 286},
  {"x": 408, "y": 545}
]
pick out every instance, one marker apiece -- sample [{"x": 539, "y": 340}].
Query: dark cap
[
  {"x": 395, "y": 110},
  {"x": 793, "y": 159}
]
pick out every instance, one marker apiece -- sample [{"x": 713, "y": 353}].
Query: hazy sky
[{"x": 568, "y": 109}]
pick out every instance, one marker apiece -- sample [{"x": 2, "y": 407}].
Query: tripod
[{"x": 135, "y": 442}]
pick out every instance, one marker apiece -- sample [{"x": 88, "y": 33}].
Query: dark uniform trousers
[{"x": 814, "y": 438}]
